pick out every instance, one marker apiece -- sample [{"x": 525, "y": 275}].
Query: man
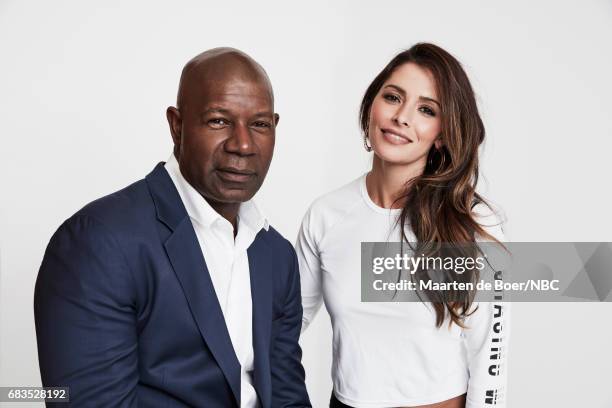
[{"x": 175, "y": 291}]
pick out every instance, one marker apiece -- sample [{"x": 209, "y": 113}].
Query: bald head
[
  {"x": 219, "y": 65},
  {"x": 223, "y": 127}
]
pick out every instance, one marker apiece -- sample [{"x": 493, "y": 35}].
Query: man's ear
[
  {"x": 276, "y": 119},
  {"x": 175, "y": 122}
]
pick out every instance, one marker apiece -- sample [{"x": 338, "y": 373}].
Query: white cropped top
[{"x": 392, "y": 354}]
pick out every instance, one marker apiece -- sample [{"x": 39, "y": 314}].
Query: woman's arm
[
  {"x": 487, "y": 336},
  {"x": 486, "y": 339},
  {"x": 310, "y": 269}
]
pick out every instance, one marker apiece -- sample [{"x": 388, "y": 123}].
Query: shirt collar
[
  {"x": 249, "y": 214},
  {"x": 199, "y": 209}
]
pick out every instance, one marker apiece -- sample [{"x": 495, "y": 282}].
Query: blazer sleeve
[
  {"x": 84, "y": 308},
  {"x": 287, "y": 372},
  {"x": 487, "y": 337}
]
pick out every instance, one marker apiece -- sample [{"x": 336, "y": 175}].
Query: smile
[{"x": 394, "y": 137}]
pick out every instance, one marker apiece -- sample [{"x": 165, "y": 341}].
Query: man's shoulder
[
  {"x": 122, "y": 209},
  {"x": 276, "y": 242}
]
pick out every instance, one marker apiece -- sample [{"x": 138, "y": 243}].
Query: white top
[
  {"x": 392, "y": 354},
  {"x": 228, "y": 266}
]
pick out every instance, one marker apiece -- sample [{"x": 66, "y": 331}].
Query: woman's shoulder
[
  {"x": 339, "y": 197},
  {"x": 491, "y": 218},
  {"x": 333, "y": 206}
]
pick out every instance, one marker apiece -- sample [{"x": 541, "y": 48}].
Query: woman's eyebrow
[
  {"x": 397, "y": 88},
  {"x": 428, "y": 99}
]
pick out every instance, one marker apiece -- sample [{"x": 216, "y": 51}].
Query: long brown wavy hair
[{"x": 438, "y": 203}]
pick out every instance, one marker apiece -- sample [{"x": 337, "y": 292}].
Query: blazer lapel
[
  {"x": 260, "y": 269},
  {"x": 185, "y": 255}
]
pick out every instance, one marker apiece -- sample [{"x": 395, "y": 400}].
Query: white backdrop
[{"x": 84, "y": 87}]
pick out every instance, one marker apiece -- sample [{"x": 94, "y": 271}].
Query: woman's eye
[
  {"x": 391, "y": 97},
  {"x": 427, "y": 110}
]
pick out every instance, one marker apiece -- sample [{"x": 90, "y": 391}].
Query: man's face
[{"x": 226, "y": 140}]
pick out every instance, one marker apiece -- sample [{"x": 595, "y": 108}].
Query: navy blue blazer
[{"x": 126, "y": 312}]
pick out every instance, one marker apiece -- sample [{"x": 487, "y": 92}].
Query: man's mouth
[{"x": 234, "y": 174}]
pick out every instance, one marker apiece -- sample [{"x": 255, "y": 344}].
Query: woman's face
[{"x": 405, "y": 117}]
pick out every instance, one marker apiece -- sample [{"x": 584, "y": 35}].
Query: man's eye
[
  {"x": 218, "y": 122},
  {"x": 427, "y": 110},
  {"x": 262, "y": 124},
  {"x": 392, "y": 97}
]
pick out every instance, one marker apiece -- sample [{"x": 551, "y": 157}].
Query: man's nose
[{"x": 241, "y": 141}]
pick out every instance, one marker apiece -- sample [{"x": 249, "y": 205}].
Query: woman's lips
[{"x": 395, "y": 138}]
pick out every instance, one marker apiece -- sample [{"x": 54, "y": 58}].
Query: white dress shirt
[
  {"x": 391, "y": 354},
  {"x": 228, "y": 265}
]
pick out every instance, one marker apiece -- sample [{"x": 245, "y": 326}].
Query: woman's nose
[{"x": 402, "y": 117}]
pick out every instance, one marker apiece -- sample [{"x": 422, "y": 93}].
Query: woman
[{"x": 419, "y": 118}]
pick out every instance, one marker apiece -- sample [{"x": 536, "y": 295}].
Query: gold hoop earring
[
  {"x": 431, "y": 160},
  {"x": 442, "y": 161},
  {"x": 367, "y": 146}
]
